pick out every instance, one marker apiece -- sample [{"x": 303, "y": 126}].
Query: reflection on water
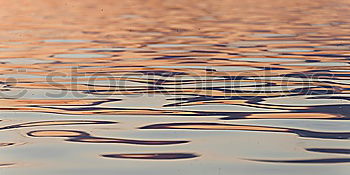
[{"x": 185, "y": 87}]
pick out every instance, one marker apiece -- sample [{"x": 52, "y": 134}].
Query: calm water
[{"x": 175, "y": 87}]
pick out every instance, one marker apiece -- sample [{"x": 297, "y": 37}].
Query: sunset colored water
[{"x": 171, "y": 87}]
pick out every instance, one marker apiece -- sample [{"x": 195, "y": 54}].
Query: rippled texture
[{"x": 176, "y": 87}]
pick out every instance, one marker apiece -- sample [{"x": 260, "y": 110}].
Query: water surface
[{"x": 174, "y": 87}]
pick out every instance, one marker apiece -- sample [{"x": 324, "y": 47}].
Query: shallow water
[{"x": 185, "y": 87}]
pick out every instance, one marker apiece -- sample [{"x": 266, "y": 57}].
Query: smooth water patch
[
  {"x": 50, "y": 94},
  {"x": 24, "y": 61},
  {"x": 306, "y": 124},
  {"x": 317, "y": 64}
]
